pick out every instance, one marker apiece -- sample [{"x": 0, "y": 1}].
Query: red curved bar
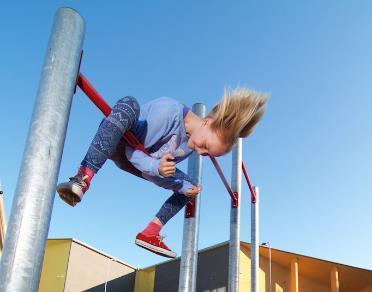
[
  {"x": 253, "y": 193},
  {"x": 98, "y": 100},
  {"x": 233, "y": 195}
]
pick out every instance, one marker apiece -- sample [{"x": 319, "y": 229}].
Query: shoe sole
[
  {"x": 157, "y": 250},
  {"x": 70, "y": 194}
]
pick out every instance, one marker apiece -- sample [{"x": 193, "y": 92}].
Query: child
[{"x": 170, "y": 132}]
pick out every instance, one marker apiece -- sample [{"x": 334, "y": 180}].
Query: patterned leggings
[{"x": 108, "y": 143}]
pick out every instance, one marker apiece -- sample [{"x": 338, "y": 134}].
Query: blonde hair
[{"x": 237, "y": 114}]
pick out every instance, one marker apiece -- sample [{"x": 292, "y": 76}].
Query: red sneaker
[{"x": 154, "y": 244}]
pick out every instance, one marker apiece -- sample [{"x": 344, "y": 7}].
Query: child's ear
[{"x": 207, "y": 121}]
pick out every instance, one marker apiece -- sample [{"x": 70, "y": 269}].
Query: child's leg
[
  {"x": 149, "y": 238},
  {"x": 123, "y": 117},
  {"x": 170, "y": 208},
  {"x": 121, "y": 160}
]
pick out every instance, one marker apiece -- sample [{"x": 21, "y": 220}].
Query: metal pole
[
  {"x": 234, "y": 244},
  {"x": 29, "y": 221},
  {"x": 189, "y": 257},
  {"x": 270, "y": 267},
  {"x": 255, "y": 251},
  {"x": 2, "y": 218}
]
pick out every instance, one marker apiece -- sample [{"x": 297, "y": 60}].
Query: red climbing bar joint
[
  {"x": 235, "y": 200},
  {"x": 190, "y": 209}
]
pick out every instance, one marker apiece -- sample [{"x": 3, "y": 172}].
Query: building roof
[
  {"x": 95, "y": 250},
  {"x": 318, "y": 270},
  {"x": 351, "y": 278}
]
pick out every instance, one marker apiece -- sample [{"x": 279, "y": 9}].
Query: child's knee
[
  {"x": 129, "y": 105},
  {"x": 130, "y": 101}
]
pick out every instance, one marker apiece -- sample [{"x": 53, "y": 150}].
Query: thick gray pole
[
  {"x": 29, "y": 221},
  {"x": 234, "y": 243},
  {"x": 255, "y": 251},
  {"x": 189, "y": 257}
]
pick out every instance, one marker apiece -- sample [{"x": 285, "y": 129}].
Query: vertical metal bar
[
  {"x": 29, "y": 221},
  {"x": 270, "y": 266},
  {"x": 189, "y": 257},
  {"x": 255, "y": 251},
  {"x": 234, "y": 244},
  {"x": 2, "y": 218}
]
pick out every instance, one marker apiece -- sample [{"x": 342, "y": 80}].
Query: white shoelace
[
  {"x": 80, "y": 180},
  {"x": 160, "y": 237}
]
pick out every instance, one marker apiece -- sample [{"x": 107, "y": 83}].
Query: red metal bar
[
  {"x": 253, "y": 193},
  {"x": 93, "y": 95},
  {"x": 234, "y": 197},
  {"x": 97, "y": 99}
]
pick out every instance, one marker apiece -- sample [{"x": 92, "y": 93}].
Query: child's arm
[
  {"x": 179, "y": 182},
  {"x": 144, "y": 163},
  {"x": 149, "y": 166}
]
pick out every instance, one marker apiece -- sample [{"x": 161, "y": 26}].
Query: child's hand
[
  {"x": 193, "y": 191},
  {"x": 166, "y": 166}
]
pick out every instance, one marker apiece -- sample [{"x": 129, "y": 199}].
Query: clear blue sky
[{"x": 310, "y": 155}]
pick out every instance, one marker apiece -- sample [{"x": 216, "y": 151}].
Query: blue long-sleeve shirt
[{"x": 161, "y": 130}]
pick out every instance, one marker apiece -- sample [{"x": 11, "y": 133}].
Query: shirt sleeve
[
  {"x": 179, "y": 182},
  {"x": 159, "y": 119},
  {"x": 144, "y": 163}
]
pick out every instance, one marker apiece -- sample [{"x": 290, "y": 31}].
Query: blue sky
[{"x": 310, "y": 156}]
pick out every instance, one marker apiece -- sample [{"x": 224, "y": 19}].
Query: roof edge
[{"x": 95, "y": 250}]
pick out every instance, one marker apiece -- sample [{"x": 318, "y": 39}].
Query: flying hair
[{"x": 237, "y": 113}]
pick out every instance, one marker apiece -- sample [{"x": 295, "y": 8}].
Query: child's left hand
[{"x": 193, "y": 191}]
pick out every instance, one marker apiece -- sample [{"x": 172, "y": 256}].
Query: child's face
[{"x": 206, "y": 142}]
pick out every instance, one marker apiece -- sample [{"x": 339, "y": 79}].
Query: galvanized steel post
[
  {"x": 255, "y": 251},
  {"x": 2, "y": 218},
  {"x": 234, "y": 244},
  {"x": 189, "y": 257},
  {"x": 24, "y": 247}
]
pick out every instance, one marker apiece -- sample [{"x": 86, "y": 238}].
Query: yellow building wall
[
  {"x": 245, "y": 272},
  {"x": 280, "y": 276},
  {"x": 368, "y": 289},
  {"x": 307, "y": 285},
  {"x": 53, "y": 274},
  {"x": 278, "y": 288},
  {"x": 145, "y": 280},
  {"x": 90, "y": 269}
]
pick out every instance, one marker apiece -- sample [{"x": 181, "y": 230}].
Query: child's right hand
[{"x": 166, "y": 166}]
